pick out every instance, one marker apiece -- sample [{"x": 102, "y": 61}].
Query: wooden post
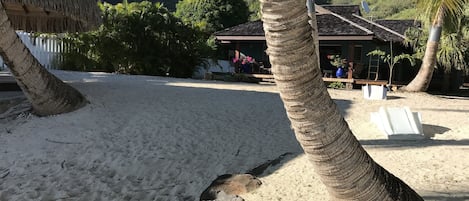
[
  {"x": 351, "y": 54},
  {"x": 237, "y": 50}
]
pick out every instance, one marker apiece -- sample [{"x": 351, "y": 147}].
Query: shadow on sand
[
  {"x": 393, "y": 97},
  {"x": 432, "y": 130},
  {"x": 445, "y": 196},
  {"x": 412, "y": 143},
  {"x": 462, "y": 93}
]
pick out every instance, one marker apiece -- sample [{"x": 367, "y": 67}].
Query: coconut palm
[
  {"x": 343, "y": 165},
  {"x": 440, "y": 13},
  {"x": 47, "y": 94},
  {"x": 452, "y": 51}
]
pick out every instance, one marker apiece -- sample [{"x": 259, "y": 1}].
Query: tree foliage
[
  {"x": 454, "y": 42},
  {"x": 404, "y": 9},
  {"x": 380, "y": 9},
  {"x": 392, "y": 60},
  {"x": 212, "y": 15},
  {"x": 254, "y": 9},
  {"x": 453, "y": 52},
  {"x": 452, "y": 55},
  {"x": 136, "y": 38}
]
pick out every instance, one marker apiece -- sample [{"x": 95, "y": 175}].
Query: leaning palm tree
[
  {"x": 343, "y": 165},
  {"x": 440, "y": 13},
  {"x": 47, "y": 94}
]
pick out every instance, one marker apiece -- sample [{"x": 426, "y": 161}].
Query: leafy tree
[
  {"x": 254, "y": 9},
  {"x": 136, "y": 38},
  {"x": 342, "y": 164},
  {"x": 380, "y": 9},
  {"x": 392, "y": 60},
  {"x": 212, "y": 15}
]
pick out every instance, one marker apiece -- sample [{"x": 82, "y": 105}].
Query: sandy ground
[
  {"x": 155, "y": 138},
  {"x": 437, "y": 168}
]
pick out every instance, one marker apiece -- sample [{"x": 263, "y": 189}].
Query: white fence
[{"x": 46, "y": 49}]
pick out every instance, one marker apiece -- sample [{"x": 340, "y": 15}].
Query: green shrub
[
  {"x": 336, "y": 85},
  {"x": 136, "y": 38}
]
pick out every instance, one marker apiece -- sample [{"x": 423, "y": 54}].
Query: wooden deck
[
  {"x": 7, "y": 82},
  {"x": 350, "y": 83},
  {"x": 347, "y": 81},
  {"x": 370, "y": 82},
  {"x": 333, "y": 79}
]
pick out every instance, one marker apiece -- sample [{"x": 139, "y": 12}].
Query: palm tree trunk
[
  {"x": 423, "y": 78},
  {"x": 343, "y": 165},
  {"x": 390, "y": 76},
  {"x": 47, "y": 94}
]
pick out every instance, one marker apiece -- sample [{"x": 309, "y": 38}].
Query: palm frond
[
  {"x": 430, "y": 9},
  {"x": 452, "y": 53}
]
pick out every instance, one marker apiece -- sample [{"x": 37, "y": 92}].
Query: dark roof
[
  {"x": 345, "y": 20},
  {"x": 254, "y": 28},
  {"x": 330, "y": 25},
  {"x": 399, "y": 26},
  {"x": 381, "y": 32},
  {"x": 344, "y": 10}
]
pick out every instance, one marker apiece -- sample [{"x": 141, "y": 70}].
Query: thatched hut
[{"x": 52, "y": 15}]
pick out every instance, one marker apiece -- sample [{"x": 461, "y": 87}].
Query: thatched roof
[{"x": 52, "y": 15}]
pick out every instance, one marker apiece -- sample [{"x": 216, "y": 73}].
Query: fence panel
[{"x": 46, "y": 49}]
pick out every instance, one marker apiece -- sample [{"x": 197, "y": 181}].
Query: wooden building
[{"x": 343, "y": 31}]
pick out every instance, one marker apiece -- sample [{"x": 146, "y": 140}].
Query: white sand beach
[{"x": 166, "y": 139}]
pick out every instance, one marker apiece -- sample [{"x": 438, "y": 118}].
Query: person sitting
[{"x": 245, "y": 66}]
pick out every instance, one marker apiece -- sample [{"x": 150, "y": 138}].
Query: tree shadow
[
  {"x": 458, "y": 94},
  {"x": 445, "y": 196},
  {"x": 343, "y": 105},
  {"x": 409, "y": 144},
  {"x": 444, "y": 110},
  {"x": 394, "y": 97}
]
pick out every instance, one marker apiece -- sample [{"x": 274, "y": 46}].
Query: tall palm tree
[
  {"x": 47, "y": 94},
  {"x": 440, "y": 13},
  {"x": 343, "y": 165},
  {"x": 453, "y": 51}
]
